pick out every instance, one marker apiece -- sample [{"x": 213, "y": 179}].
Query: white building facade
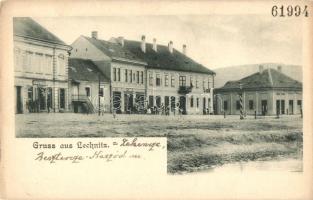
[{"x": 40, "y": 69}]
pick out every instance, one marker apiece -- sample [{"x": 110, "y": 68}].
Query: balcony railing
[
  {"x": 80, "y": 98},
  {"x": 206, "y": 90},
  {"x": 184, "y": 89}
]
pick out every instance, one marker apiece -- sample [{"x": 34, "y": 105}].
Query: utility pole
[
  {"x": 241, "y": 102},
  {"x": 99, "y": 95}
]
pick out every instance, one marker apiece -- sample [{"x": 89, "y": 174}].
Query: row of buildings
[{"x": 126, "y": 76}]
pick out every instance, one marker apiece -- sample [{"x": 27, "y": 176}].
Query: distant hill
[{"x": 233, "y": 73}]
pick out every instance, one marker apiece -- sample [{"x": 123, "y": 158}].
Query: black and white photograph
[{"x": 224, "y": 90}]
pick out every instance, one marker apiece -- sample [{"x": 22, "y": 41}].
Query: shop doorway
[
  {"x": 182, "y": 104},
  {"x": 19, "y": 102}
]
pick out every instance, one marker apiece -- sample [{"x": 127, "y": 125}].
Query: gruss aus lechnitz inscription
[{"x": 100, "y": 145}]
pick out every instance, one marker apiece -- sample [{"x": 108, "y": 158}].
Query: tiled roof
[
  {"x": 269, "y": 78},
  {"x": 113, "y": 50},
  {"x": 84, "y": 70},
  {"x": 27, "y": 27},
  {"x": 163, "y": 59}
]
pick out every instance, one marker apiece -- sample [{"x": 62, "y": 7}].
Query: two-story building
[
  {"x": 149, "y": 76},
  {"x": 125, "y": 71},
  {"x": 40, "y": 68},
  {"x": 267, "y": 92},
  {"x": 174, "y": 80},
  {"x": 90, "y": 88}
]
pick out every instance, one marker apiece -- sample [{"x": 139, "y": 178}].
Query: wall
[
  {"x": 82, "y": 48},
  {"x": 94, "y": 91},
  {"x": 198, "y": 91},
  {"x": 257, "y": 96},
  {"x": 41, "y": 64}
]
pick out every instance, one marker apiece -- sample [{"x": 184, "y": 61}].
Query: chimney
[
  {"x": 155, "y": 48},
  {"x": 120, "y": 40},
  {"x": 184, "y": 49},
  {"x": 94, "y": 34},
  {"x": 279, "y": 68},
  {"x": 261, "y": 68},
  {"x": 170, "y": 46},
  {"x": 143, "y": 44}
]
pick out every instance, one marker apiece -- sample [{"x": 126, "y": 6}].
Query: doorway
[
  {"x": 19, "y": 103},
  {"x": 182, "y": 104},
  {"x": 117, "y": 102},
  {"x": 290, "y": 108},
  {"x": 204, "y": 106},
  {"x": 264, "y": 107}
]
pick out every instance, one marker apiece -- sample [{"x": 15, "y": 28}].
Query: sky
[{"x": 213, "y": 40}]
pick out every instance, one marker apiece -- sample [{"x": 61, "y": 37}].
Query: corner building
[
  {"x": 267, "y": 92},
  {"x": 40, "y": 68}
]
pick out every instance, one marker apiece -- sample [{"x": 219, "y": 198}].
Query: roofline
[
  {"x": 157, "y": 68},
  {"x": 257, "y": 89},
  {"x": 115, "y": 58},
  {"x": 128, "y": 61},
  {"x": 47, "y": 41}
]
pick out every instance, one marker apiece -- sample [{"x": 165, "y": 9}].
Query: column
[{"x": 257, "y": 102}]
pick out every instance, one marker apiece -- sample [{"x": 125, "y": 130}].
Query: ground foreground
[{"x": 194, "y": 142}]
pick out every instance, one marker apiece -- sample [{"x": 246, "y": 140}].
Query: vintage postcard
[{"x": 156, "y": 100}]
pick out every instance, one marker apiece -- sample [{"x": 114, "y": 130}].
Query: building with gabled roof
[
  {"x": 40, "y": 68},
  {"x": 174, "y": 80},
  {"x": 267, "y": 92},
  {"x": 149, "y": 76},
  {"x": 125, "y": 71},
  {"x": 90, "y": 88}
]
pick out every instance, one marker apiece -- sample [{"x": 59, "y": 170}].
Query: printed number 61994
[{"x": 289, "y": 11}]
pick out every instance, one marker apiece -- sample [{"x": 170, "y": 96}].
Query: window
[
  {"x": 166, "y": 80},
  {"x": 131, "y": 76},
  {"x": 61, "y": 65},
  {"x": 141, "y": 74},
  {"x": 118, "y": 74},
  {"x": 182, "y": 81},
  {"x": 299, "y": 102},
  {"x": 49, "y": 64},
  {"x": 88, "y": 92},
  {"x": 238, "y": 105},
  {"x": 150, "y": 79},
  {"x": 28, "y": 63},
  {"x": 203, "y": 84},
  {"x": 225, "y": 105},
  {"x": 158, "y": 80},
  {"x": 197, "y": 86},
  {"x": 191, "y": 101},
  {"x": 30, "y": 93},
  {"x": 138, "y": 77},
  {"x": 173, "y": 81},
  {"x": 197, "y": 102},
  {"x": 134, "y": 77},
  {"x": 191, "y": 81},
  {"x": 251, "y": 104},
  {"x": 126, "y": 75},
  {"x": 17, "y": 55},
  {"x": 209, "y": 83},
  {"x": 114, "y": 74}
]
